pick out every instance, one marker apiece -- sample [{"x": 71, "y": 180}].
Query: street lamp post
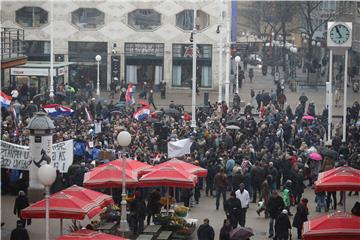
[
  {"x": 47, "y": 176},
  {"x": 51, "y": 94},
  {"x": 237, "y": 60},
  {"x": 227, "y": 70},
  {"x": 98, "y": 59},
  {"x": 124, "y": 140},
  {"x": 193, "y": 100}
]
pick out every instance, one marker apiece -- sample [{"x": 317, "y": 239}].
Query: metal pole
[
  {"x": 123, "y": 222},
  {"x": 220, "y": 54},
  {"x": 98, "y": 79},
  {"x": 227, "y": 70},
  {"x": 193, "y": 102},
  {"x": 61, "y": 226},
  {"x": 237, "y": 77},
  {"x": 51, "y": 94},
  {"x": 345, "y": 95},
  {"x": 330, "y": 97},
  {"x": 47, "y": 230}
]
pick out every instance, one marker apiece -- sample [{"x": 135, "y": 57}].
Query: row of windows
[{"x": 91, "y": 18}]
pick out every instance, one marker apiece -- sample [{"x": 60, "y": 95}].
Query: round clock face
[{"x": 339, "y": 34}]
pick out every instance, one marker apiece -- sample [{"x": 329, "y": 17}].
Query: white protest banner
[
  {"x": 15, "y": 156},
  {"x": 179, "y": 148}
]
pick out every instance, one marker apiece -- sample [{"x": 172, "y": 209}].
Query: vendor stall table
[
  {"x": 164, "y": 235},
  {"x": 145, "y": 237},
  {"x": 152, "y": 229}
]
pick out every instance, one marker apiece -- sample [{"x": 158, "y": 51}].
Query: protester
[
  {"x": 282, "y": 226},
  {"x": 275, "y": 206},
  {"x": 205, "y": 231},
  {"x": 233, "y": 209},
  {"x": 301, "y": 214}
]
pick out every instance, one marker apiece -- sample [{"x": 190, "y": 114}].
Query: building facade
[{"x": 137, "y": 41}]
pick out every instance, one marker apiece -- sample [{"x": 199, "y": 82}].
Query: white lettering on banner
[{"x": 15, "y": 156}]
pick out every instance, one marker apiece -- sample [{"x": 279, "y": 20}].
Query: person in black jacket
[
  {"x": 275, "y": 206},
  {"x": 19, "y": 233},
  {"x": 225, "y": 230},
  {"x": 21, "y": 202},
  {"x": 302, "y": 212},
  {"x": 138, "y": 213},
  {"x": 153, "y": 206},
  {"x": 282, "y": 226},
  {"x": 233, "y": 209},
  {"x": 205, "y": 231}
]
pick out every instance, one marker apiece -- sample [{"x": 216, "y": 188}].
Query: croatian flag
[
  {"x": 128, "y": 95},
  {"x": 142, "y": 114},
  {"x": 56, "y": 110},
  {"x": 88, "y": 115},
  {"x": 5, "y": 100}
]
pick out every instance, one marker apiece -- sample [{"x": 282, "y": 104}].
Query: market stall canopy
[
  {"x": 108, "y": 176},
  {"x": 343, "y": 178},
  {"x": 338, "y": 225},
  {"x": 88, "y": 195},
  {"x": 86, "y": 234},
  {"x": 63, "y": 206},
  {"x": 188, "y": 167},
  {"x": 131, "y": 165},
  {"x": 169, "y": 176}
]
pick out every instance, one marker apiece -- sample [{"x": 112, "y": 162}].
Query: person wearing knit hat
[{"x": 282, "y": 226}]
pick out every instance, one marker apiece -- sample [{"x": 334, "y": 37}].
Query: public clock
[{"x": 340, "y": 34}]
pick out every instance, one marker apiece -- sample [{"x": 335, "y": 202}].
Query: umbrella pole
[
  {"x": 167, "y": 201},
  {"x": 344, "y": 200},
  {"x": 61, "y": 226}
]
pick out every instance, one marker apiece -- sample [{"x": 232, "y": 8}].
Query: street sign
[{"x": 115, "y": 68}]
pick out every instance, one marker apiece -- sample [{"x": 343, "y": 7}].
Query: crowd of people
[{"x": 264, "y": 159}]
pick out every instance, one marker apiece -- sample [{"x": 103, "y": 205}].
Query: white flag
[{"x": 179, "y": 148}]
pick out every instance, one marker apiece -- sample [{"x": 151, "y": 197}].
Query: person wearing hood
[
  {"x": 205, "y": 231},
  {"x": 302, "y": 212},
  {"x": 282, "y": 226}
]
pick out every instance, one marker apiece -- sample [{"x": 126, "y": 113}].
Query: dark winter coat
[
  {"x": 301, "y": 216},
  {"x": 233, "y": 207},
  {"x": 153, "y": 205},
  {"x": 275, "y": 206},
  {"x": 21, "y": 202},
  {"x": 282, "y": 226},
  {"x": 205, "y": 232},
  {"x": 225, "y": 233},
  {"x": 19, "y": 234}
]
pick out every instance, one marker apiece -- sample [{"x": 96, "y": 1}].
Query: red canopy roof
[
  {"x": 89, "y": 195},
  {"x": 188, "y": 167},
  {"x": 339, "y": 179},
  {"x": 109, "y": 176},
  {"x": 131, "y": 165},
  {"x": 168, "y": 175},
  {"x": 89, "y": 235},
  {"x": 62, "y": 205},
  {"x": 338, "y": 225}
]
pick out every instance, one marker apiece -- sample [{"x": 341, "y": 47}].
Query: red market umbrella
[
  {"x": 338, "y": 225},
  {"x": 168, "y": 175},
  {"x": 188, "y": 167},
  {"x": 63, "y": 206},
  {"x": 132, "y": 166},
  {"x": 108, "y": 176},
  {"x": 89, "y": 195},
  {"x": 89, "y": 235},
  {"x": 308, "y": 117},
  {"x": 315, "y": 156},
  {"x": 339, "y": 179}
]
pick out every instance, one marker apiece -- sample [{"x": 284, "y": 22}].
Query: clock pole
[
  {"x": 330, "y": 97},
  {"x": 345, "y": 95}
]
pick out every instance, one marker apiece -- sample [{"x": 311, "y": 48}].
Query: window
[
  {"x": 37, "y": 50},
  {"x": 31, "y": 17},
  {"x": 182, "y": 65},
  {"x": 144, "y": 19},
  {"x": 88, "y": 18},
  {"x": 185, "y": 19}
]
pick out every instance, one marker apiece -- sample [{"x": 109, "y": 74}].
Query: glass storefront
[
  {"x": 144, "y": 63},
  {"x": 182, "y": 65},
  {"x": 84, "y": 69}
]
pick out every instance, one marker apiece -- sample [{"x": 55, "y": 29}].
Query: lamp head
[
  {"x": 237, "y": 59},
  {"x": 124, "y": 139},
  {"x": 47, "y": 175},
  {"x": 98, "y": 58}
]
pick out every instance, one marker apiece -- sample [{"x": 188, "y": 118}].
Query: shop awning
[{"x": 40, "y": 69}]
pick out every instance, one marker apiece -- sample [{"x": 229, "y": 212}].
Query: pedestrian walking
[
  {"x": 163, "y": 89},
  {"x": 153, "y": 204},
  {"x": 137, "y": 213},
  {"x": 282, "y": 226},
  {"x": 205, "y": 231},
  {"x": 301, "y": 214},
  {"x": 275, "y": 206},
  {"x": 243, "y": 195},
  {"x": 151, "y": 98},
  {"x": 233, "y": 209},
  {"x": 220, "y": 182},
  {"x": 225, "y": 230},
  {"x": 19, "y": 233},
  {"x": 251, "y": 74},
  {"x": 21, "y": 202}
]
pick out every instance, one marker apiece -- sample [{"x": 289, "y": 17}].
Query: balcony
[{"x": 12, "y": 47}]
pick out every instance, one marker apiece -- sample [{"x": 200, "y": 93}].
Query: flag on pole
[
  {"x": 142, "y": 113},
  {"x": 16, "y": 120},
  {"x": 88, "y": 115},
  {"x": 128, "y": 95},
  {"x": 56, "y": 110},
  {"x": 5, "y": 100}
]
